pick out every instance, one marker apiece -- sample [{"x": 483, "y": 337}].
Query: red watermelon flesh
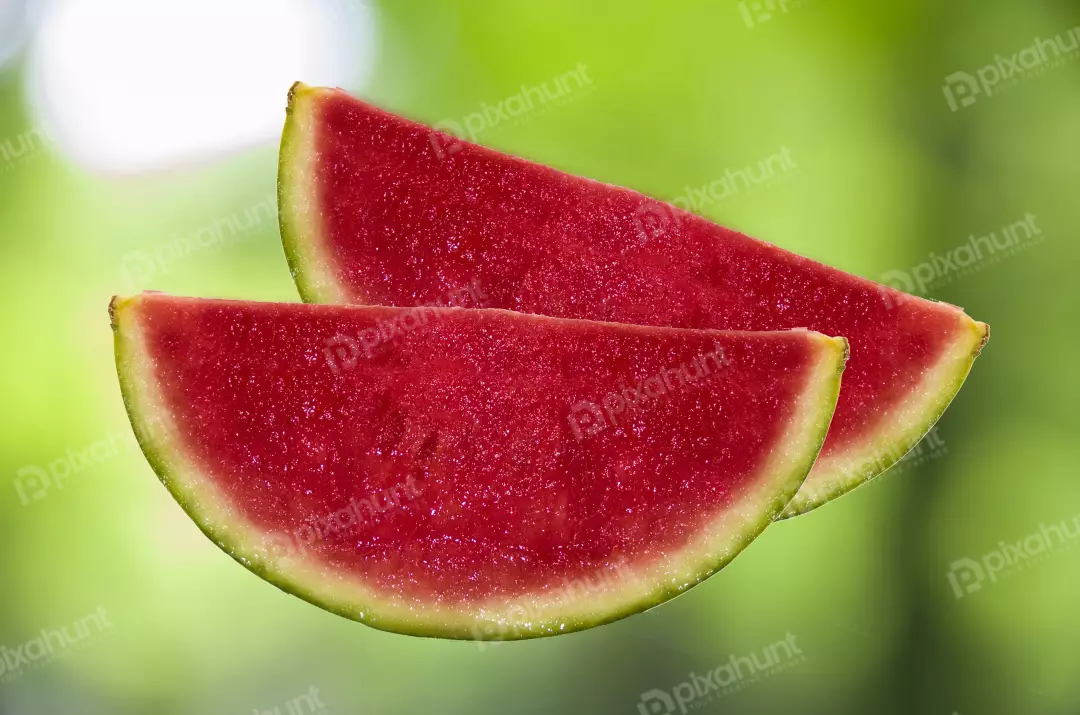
[
  {"x": 469, "y": 474},
  {"x": 376, "y": 209}
]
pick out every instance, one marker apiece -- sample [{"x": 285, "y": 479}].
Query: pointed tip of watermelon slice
[
  {"x": 296, "y": 88},
  {"x": 117, "y": 304},
  {"x": 904, "y": 428},
  {"x": 299, "y": 91}
]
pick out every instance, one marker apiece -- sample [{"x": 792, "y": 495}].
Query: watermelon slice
[
  {"x": 376, "y": 209},
  {"x": 471, "y": 473}
]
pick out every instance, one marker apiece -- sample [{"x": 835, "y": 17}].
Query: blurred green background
[{"x": 882, "y": 171}]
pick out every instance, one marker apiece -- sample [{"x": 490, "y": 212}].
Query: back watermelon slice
[
  {"x": 377, "y": 209},
  {"x": 471, "y": 474}
]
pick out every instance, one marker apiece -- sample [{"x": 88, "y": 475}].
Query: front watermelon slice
[
  {"x": 376, "y": 209},
  {"x": 466, "y": 473}
]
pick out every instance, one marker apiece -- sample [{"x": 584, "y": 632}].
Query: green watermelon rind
[
  {"x": 638, "y": 589},
  {"x": 927, "y": 404},
  {"x": 312, "y": 269},
  {"x": 296, "y": 216}
]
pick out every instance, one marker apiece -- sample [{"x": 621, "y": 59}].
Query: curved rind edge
[
  {"x": 299, "y": 220},
  {"x": 844, "y": 473},
  {"x": 721, "y": 541}
]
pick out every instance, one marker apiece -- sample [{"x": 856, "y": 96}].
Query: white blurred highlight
[
  {"x": 132, "y": 86},
  {"x": 17, "y": 18}
]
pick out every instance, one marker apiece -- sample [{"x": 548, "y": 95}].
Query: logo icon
[
  {"x": 278, "y": 546},
  {"x": 961, "y": 90},
  {"x": 900, "y": 280},
  {"x": 586, "y": 420},
  {"x": 32, "y": 483},
  {"x": 966, "y": 577},
  {"x": 652, "y": 220},
  {"x": 342, "y": 353},
  {"x": 755, "y": 12},
  {"x": 656, "y": 702},
  {"x": 139, "y": 269},
  {"x": 446, "y": 139}
]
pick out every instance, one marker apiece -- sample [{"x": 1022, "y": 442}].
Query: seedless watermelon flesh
[
  {"x": 376, "y": 209},
  {"x": 471, "y": 473}
]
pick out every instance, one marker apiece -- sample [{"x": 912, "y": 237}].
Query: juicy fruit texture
[
  {"x": 471, "y": 473},
  {"x": 376, "y": 209}
]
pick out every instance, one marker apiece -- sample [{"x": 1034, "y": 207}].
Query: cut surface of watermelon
[
  {"x": 377, "y": 209},
  {"x": 468, "y": 473}
]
